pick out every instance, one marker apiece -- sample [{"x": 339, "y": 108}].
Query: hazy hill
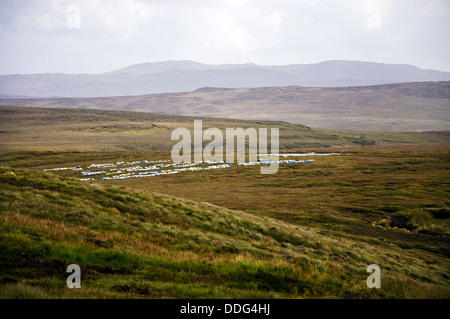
[
  {"x": 183, "y": 76},
  {"x": 390, "y": 107},
  {"x": 155, "y": 67},
  {"x": 355, "y": 73}
]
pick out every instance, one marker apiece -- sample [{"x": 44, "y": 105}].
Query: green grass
[
  {"x": 308, "y": 231},
  {"x": 131, "y": 244}
]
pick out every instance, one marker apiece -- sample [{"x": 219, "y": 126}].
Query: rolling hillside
[
  {"x": 133, "y": 244},
  {"x": 26, "y": 128},
  {"x": 308, "y": 231},
  {"x": 391, "y": 107}
]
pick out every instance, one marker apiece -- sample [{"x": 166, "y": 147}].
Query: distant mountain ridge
[
  {"x": 187, "y": 76},
  {"x": 155, "y": 67}
]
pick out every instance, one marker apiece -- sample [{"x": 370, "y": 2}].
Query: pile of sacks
[{"x": 124, "y": 170}]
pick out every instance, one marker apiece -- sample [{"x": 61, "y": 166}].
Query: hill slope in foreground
[
  {"x": 308, "y": 231},
  {"x": 391, "y": 107},
  {"x": 134, "y": 244}
]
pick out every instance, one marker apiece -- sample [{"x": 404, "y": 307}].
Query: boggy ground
[{"x": 308, "y": 231}]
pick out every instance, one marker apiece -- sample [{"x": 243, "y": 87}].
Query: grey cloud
[{"x": 34, "y": 36}]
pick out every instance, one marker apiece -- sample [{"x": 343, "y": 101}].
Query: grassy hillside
[
  {"x": 308, "y": 231},
  {"x": 400, "y": 107},
  {"x": 138, "y": 245},
  {"x": 24, "y": 128}
]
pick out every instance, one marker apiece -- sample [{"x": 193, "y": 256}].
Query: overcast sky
[{"x": 95, "y": 36}]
